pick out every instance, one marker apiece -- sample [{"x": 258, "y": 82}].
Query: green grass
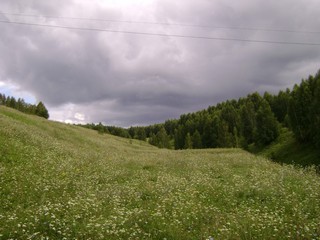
[
  {"x": 287, "y": 150},
  {"x": 65, "y": 182}
]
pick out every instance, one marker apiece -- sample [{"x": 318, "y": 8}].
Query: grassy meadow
[{"x": 59, "y": 181}]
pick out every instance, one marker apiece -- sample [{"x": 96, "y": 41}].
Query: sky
[{"x": 129, "y": 63}]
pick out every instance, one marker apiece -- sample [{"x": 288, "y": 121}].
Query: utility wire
[
  {"x": 164, "y": 23},
  {"x": 161, "y": 34}
]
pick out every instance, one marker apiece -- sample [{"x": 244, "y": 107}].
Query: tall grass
[{"x": 64, "y": 182}]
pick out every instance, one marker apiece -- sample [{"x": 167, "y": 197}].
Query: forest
[{"x": 254, "y": 119}]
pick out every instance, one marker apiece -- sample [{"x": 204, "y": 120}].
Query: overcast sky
[{"x": 126, "y": 79}]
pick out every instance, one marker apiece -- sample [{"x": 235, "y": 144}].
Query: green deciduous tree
[
  {"x": 140, "y": 134},
  {"x": 224, "y": 137},
  {"x": 179, "y": 137},
  {"x": 196, "y": 140},
  {"x": 161, "y": 139},
  {"x": 267, "y": 125},
  {"x": 299, "y": 111},
  {"x": 208, "y": 136},
  {"x": 315, "y": 111},
  {"x": 280, "y": 105},
  {"x": 188, "y": 142},
  {"x": 248, "y": 121}
]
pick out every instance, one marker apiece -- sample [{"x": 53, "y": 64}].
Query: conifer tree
[
  {"x": 42, "y": 111},
  {"x": 11, "y": 102},
  {"x": 21, "y": 105}
]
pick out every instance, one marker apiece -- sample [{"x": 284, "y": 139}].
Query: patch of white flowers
[{"x": 62, "y": 182}]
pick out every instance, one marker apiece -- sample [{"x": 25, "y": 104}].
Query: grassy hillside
[
  {"x": 65, "y": 182},
  {"x": 286, "y": 149}
]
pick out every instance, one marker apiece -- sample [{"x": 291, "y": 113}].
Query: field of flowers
[{"x": 60, "y": 181}]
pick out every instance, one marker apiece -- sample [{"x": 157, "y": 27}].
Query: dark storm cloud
[{"x": 123, "y": 79}]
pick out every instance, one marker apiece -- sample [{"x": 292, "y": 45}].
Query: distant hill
[
  {"x": 252, "y": 123},
  {"x": 60, "y": 181}
]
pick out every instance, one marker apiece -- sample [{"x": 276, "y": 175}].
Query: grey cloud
[{"x": 123, "y": 79}]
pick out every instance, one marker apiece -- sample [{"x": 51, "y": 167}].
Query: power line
[
  {"x": 162, "y": 34},
  {"x": 165, "y": 23}
]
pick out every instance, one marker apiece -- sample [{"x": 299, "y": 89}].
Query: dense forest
[
  {"x": 22, "y": 106},
  {"x": 255, "y": 119}
]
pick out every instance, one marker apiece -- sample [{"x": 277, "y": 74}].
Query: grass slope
[
  {"x": 65, "y": 182},
  {"x": 287, "y": 150}
]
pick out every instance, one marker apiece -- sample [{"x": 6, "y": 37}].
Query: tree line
[
  {"x": 20, "y": 105},
  {"x": 254, "y": 119},
  {"x": 117, "y": 131}
]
